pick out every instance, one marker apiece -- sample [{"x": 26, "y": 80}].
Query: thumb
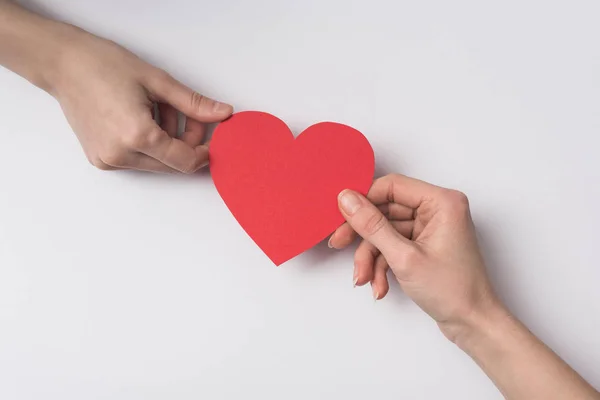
[
  {"x": 372, "y": 225},
  {"x": 191, "y": 103}
]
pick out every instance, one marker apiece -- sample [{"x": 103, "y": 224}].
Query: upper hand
[{"x": 108, "y": 96}]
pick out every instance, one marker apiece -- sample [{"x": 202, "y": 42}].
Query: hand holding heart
[
  {"x": 108, "y": 96},
  {"x": 282, "y": 191},
  {"x": 426, "y": 235}
]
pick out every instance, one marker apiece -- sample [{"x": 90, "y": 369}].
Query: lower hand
[
  {"x": 108, "y": 96},
  {"x": 425, "y": 234}
]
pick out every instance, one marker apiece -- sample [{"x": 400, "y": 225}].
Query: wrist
[
  {"x": 62, "y": 38},
  {"x": 476, "y": 325},
  {"x": 31, "y": 45}
]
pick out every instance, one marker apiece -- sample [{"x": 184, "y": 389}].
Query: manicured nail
[
  {"x": 349, "y": 202},
  {"x": 329, "y": 243},
  {"x": 375, "y": 294}
]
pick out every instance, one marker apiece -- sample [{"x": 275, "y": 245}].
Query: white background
[{"x": 123, "y": 285}]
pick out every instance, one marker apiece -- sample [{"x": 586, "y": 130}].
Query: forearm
[
  {"x": 31, "y": 45},
  {"x": 519, "y": 364}
]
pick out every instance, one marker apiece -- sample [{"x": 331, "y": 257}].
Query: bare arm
[
  {"x": 427, "y": 239},
  {"x": 29, "y": 44},
  {"x": 108, "y": 95},
  {"x": 518, "y": 363}
]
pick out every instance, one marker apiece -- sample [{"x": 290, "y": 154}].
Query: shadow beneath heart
[{"x": 322, "y": 254}]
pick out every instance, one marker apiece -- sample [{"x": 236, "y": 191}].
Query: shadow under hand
[
  {"x": 39, "y": 7},
  {"x": 202, "y": 174},
  {"x": 395, "y": 294},
  {"x": 494, "y": 256}
]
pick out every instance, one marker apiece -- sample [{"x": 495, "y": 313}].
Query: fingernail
[
  {"x": 219, "y": 107},
  {"x": 375, "y": 294},
  {"x": 355, "y": 281},
  {"x": 349, "y": 202},
  {"x": 329, "y": 243}
]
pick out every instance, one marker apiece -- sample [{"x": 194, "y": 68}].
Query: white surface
[{"x": 134, "y": 286}]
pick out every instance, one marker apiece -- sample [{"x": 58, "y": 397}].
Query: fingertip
[
  {"x": 361, "y": 274},
  {"x": 330, "y": 242},
  {"x": 342, "y": 193},
  {"x": 380, "y": 283},
  {"x": 363, "y": 267},
  {"x": 380, "y": 289},
  {"x": 223, "y": 110},
  {"x": 375, "y": 291},
  {"x": 342, "y": 237},
  {"x": 360, "y": 281},
  {"x": 201, "y": 157},
  {"x": 202, "y": 150},
  {"x": 192, "y": 138},
  {"x": 348, "y": 202}
]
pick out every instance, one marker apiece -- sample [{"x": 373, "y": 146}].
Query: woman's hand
[
  {"x": 108, "y": 96},
  {"x": 425, "y": 234}
]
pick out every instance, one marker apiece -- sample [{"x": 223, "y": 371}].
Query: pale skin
[
  {"x": 108, "y": 94},
  {"x": 427, "y": 238},
  {"x": 423, "y": 233}
]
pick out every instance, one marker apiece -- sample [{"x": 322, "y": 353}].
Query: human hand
[
  {"x": 426, "y": 236},
  {"x": 108, "y": 96}
]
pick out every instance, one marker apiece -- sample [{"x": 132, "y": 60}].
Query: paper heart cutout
[{"x": 283, "y": 191}]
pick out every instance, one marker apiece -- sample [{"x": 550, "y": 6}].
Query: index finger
[
  {"x": 400, "y": 189},
  {"x": 194, "y": 132},
  {"x": 174, "y": 152},
  {"x": 345, "y": 235},
  {"x": 401, "y": 194}
]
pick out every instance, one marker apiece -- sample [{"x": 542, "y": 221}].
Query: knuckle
[
  {"x": 412, "y": 256},
  {"x": 386, "y": 179},
  {"x": 457, "y": 201},
  {"x": 190, "y": 169},
  {"x": 133, "y": 140},
  {"x": 161, "y": 74},
  {"x": 387, "y": 182},
  {"x": 406, "y": 261},
  {"x": 197, "y": 100},
  {"x": 391, "y": 178},
  {"x": 374, "y": 223},
  {"x": 160, "y": 78},
  {"x": 97, "y": 162},
  {"x": 152, "y": 137},
  {"x": 139, "y": 138},
  {"x": 114, "y": 158}
]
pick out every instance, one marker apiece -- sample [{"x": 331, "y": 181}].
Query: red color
[{"x": 283, "y": 191}]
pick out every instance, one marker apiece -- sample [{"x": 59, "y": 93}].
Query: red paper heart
[{"x": 283, "y": 191}]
